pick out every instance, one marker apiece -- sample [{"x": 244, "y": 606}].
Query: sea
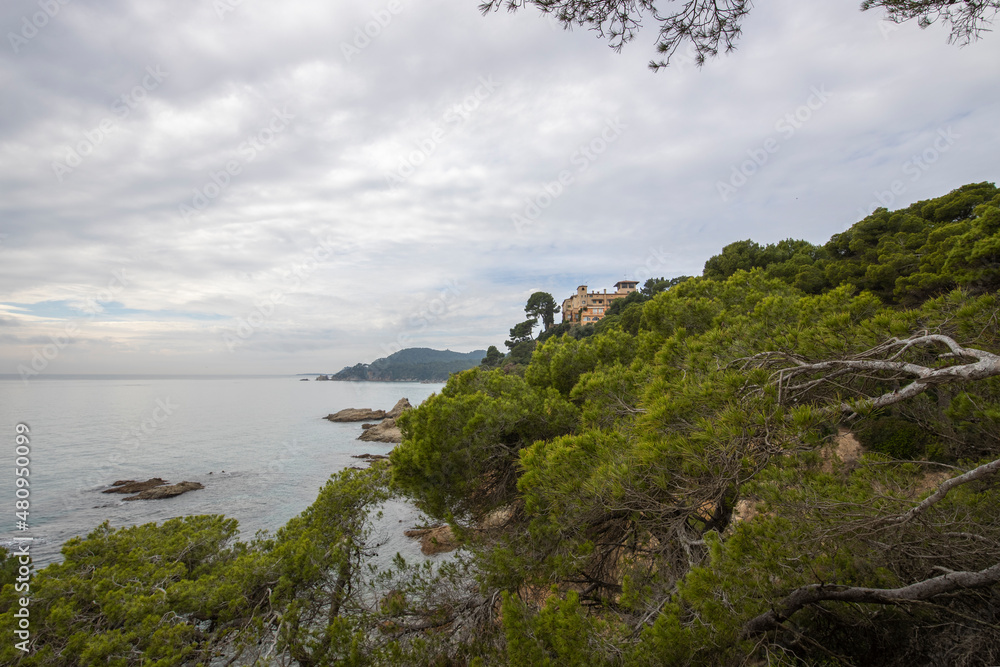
[{"x": 260, "y": 445}]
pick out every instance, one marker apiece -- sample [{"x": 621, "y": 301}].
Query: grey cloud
[{"x": 451, "y": 221}]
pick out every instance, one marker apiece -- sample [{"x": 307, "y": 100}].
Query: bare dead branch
[
  {"x": 796, "y": 376},
  {"x": 923, "y": 590},
  {"x": 946, "y": 486}
]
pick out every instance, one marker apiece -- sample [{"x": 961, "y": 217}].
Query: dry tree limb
[
  {"x": 923, "y": 590},
  {"x": 798, "y": 374},
  {"x": 946, "y": 486},
  {"x": 947, "y": 583}
]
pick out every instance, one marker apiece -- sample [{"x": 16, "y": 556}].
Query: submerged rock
[{"x": 370, "y": 457}]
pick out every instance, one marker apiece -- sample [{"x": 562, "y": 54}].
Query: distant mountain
[{"x": 414, "y": 364}]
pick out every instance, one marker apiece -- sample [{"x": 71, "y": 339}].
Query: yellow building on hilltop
[{"x": 587, "y": 308}]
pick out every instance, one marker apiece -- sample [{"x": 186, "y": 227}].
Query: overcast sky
[{"x": 242, "y": 186}]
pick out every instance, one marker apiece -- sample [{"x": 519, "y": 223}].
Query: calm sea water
[{"x": 260, "y": 446}]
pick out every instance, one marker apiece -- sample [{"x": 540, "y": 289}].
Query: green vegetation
[
  {"x": 681, "y": 485},
  {"x": 903, "y": 257},
  {"x": 413, "y": 364},
  {"x": 707, "y": 26},
  {"x": 493, "y": 358},
  {"x": 463, "y": 451},
  {"x": 541, "y": 306}
]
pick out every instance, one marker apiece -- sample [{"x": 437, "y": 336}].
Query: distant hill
[{"x": 414, "y": 364}]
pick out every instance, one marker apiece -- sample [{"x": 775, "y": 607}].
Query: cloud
[{"x": 407, "y": 147}]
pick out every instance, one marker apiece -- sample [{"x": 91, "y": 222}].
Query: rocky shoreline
[
  {"x": 385, "y": 430},
  {"x": 355, "y": 415},
  {"x": 434, "y": 539}
]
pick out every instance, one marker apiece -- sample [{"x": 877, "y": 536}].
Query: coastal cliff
[{"x": 416, "y": 364}]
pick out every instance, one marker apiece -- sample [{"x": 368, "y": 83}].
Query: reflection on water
[{"x": 259, "y": 445}]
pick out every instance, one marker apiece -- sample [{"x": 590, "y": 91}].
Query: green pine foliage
[
  {"x": 140, "y": 591},
  {"x": 641, "y": 510},
  {"x": 904, "y": 257},
  {"x": 462, "y": 450},
  {"x": 640, "y": 494}
]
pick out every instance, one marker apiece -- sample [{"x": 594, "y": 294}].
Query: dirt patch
[
  {"x": 498, "y": 518},
  {"x": 744, "y": 511},
  {"x": 847, "y": 446},
  {"x": 929, "y": 481}
]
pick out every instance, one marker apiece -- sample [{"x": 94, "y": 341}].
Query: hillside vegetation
[
  {"x": 413, "y": 364},
  {"x": 682, "y": 486}
]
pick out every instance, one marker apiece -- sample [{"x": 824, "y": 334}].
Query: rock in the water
[
  {"x": 356, "y": 415},
  {"x": 132, "y": 486},
  {"x": 401, "y": 405},
  {"x": 370, "y": 457},
  {"x": 434, "y": 540},
  {"x": 386, "y": 431},
  {"x": 169, "y": 491},
  {"x": 365, "y": 427}
]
